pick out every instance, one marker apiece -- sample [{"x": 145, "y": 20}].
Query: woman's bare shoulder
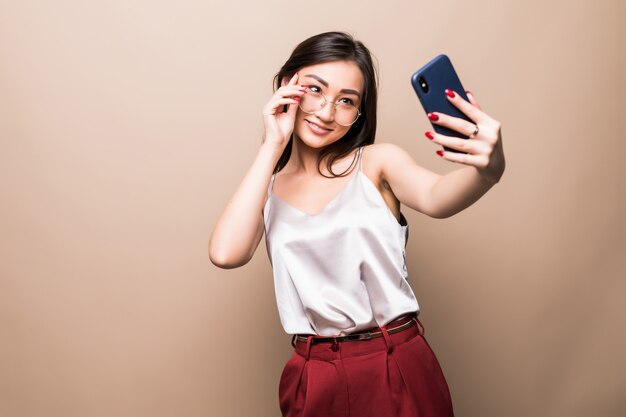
[
  {"x": 384, "y": 147},
  {"x": 382, "y": 153}
]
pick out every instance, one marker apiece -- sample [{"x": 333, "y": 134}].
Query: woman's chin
[{"x": 314, "y": 142}]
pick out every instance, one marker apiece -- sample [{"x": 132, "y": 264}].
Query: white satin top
[{"x": 342, "y": 270}]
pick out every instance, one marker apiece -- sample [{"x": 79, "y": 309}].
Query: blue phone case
[{"x": 439, "y": 74}]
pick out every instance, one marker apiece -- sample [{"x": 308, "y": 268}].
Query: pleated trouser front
[{"x": 396, "y": 375}]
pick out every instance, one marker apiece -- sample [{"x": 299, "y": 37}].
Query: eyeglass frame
[{"x": 326, "y": 101}]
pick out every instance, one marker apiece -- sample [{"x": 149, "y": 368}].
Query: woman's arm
[
  {"x": 240, "y": 227},
  {"x": 443, "y": 196}
]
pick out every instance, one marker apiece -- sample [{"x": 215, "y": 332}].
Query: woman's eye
[
  {"x": 347, "y": 101},
  {"x": 313, "y": 88}
]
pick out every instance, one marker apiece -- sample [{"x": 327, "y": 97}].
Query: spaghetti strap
[{"x": 359, "y": 157}]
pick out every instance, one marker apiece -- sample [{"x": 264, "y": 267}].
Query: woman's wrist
[
  {"x": 271, "y": 150},
  {"x": 490, "y": 176}
]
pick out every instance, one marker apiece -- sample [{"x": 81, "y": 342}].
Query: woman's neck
[{"x": 303, "y": 159}]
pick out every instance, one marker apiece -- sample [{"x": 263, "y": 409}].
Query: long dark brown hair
[{"x": 328, "y": 47}]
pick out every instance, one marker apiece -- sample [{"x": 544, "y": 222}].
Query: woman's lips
[{"x": 317, "y": 129}]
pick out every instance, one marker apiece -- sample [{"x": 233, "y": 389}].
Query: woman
[{"x": 328, "y": 199}]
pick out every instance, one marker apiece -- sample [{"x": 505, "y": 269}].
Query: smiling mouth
[{"x": 317, "y": 127}]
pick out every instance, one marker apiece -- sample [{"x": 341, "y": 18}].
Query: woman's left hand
[{"x": 483, "y": 149}]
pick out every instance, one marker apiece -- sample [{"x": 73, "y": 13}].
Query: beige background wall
[{"x": 125, "y": 126}]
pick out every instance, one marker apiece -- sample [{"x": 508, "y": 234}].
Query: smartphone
[{"x": 430, "y": 83}]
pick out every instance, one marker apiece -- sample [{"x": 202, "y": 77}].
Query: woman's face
[{"x": 338, "y": 81}]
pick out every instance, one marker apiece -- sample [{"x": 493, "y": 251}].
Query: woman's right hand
[{"x": 279, "y": 125}]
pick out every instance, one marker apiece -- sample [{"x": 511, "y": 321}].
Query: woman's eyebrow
[{"x": 325, "y": 84}]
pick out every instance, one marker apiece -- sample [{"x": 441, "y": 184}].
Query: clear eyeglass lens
[{"x": 345, "y": 114}]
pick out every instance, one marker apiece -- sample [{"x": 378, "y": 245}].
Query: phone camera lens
[{"x": 423, "y": 84}]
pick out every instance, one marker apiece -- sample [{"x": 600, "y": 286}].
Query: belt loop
[
  {"x": 423, "y": 330},
  {"x": 387, "y": 338},
  {"x": 308, "y": 347}
]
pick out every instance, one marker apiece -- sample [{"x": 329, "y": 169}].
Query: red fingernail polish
[
  {"x": 433, "y": 117},
  {"x": 440, "y": 153},
  {"x": 450, "y": 93},
  {"x": 297, "y": 98},
  {"x": 429, "y": 135}
]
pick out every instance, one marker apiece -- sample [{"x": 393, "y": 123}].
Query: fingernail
[
  {"x": 433, "y": 117},
  {"x": 297, "y": 98},
  {"x": 429, "y": 135},
  {"x": 440, "y": 153},
  {"x": 450, "y": 93},
  {"x": 469, "y": 92}
]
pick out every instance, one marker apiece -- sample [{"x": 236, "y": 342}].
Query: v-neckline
[{"x": 326, "y": 206}]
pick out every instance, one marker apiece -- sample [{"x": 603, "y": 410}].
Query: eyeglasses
[{"x": 346, "y": 113}]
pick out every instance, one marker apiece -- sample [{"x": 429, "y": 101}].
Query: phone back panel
[{"x": 439, "y": 75}]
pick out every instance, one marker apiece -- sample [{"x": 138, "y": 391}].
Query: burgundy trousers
[{"x": 396, "y": 375}]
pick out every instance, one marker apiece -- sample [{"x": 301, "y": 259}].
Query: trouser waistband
[{"x": 382, "y": 338}]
